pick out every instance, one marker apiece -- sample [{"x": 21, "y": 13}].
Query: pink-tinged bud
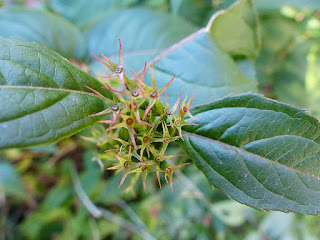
[{"x": 169, "y": 173}]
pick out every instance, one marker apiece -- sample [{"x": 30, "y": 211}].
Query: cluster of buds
[{"x": 141, "y": 125}]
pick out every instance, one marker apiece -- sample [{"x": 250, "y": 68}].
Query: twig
[
  {"x": 194, "y": 189},
  {"x": 103, "y": 213},
  {"x": 133, "y": 216},
  {"x": 199, "y": 194}
]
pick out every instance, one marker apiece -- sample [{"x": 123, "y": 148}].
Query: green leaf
[
  {"x": 144, "y": 35},
  {"x": 201, "y": 67},
  {"x": 198, "y": 62},
  {"x": 248, "y": 68},
  {"x": 195, "y": 11},
  {"x": 236, "y": 29},
  {"x": 84, "y": 13},
  {"x": 43, "y": 96},
  {"x": 10, "y": 182},
  {"x": 44, "y": 28},
  {"x": 258, "y": 151}
]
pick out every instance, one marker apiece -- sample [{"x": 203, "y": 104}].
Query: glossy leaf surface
[
  {"x": 43, "y": 96},
  {"x": 144, "y": 34},
  {"x": 84, "y": 13},
  {"x": 258, "y": 151}
]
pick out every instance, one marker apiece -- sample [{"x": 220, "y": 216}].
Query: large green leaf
[
  {"x": 258, "y": 151},
  {"x": 198, "y": 62},
  {"x": 202, "y": 67},
  {"x": 236, "y": 29},
  {"x": 84, "y": 13},
  {"x": 144, "y": 34},
  {"x": 44, "y": 28},
  {"x": 43, "y": 96},
  {"x": 195, "y": 11}
]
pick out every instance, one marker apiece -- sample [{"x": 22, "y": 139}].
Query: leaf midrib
[
  {"x": 198, "y": 109},
  {"x": 47, "y": 106},
  {"x": 249, "y": 153},
  {"x": 53, "y": 89},
  {"x": 271, "y": 110},
  {"x": 62, "y": 60}
]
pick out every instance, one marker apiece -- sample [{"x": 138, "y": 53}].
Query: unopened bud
[
  {"x": 129, "y": 121},
  {"x": 127, "y": 164}
]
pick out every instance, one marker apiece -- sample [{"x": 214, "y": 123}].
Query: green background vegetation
[{"x": 37, "y": 185}]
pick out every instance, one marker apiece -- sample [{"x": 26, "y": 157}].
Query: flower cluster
[{"x": 141, "y": 125}]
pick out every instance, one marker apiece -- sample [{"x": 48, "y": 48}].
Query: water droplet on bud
[
  {"x": 135, "y": 93},
  {"x": 118, "y": 70},
  {"x": 115, "y": 107},
  {"x": 154, "y": 94}
]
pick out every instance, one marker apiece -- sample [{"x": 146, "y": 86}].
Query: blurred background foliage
[{"x": 39, "y": 186}]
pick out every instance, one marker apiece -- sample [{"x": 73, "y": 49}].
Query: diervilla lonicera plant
[
  {"x": 143, "y": 126},
  {"x": 258, "y": 151}
]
